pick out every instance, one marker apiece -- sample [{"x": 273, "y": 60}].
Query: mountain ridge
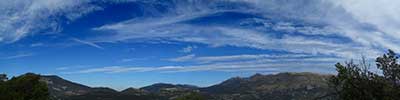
[{"x": 281, "y": 86}]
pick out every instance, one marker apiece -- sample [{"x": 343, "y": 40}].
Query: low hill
[
  {"x": 60, "y": 88},
  {"x": 164, "y": 86}
]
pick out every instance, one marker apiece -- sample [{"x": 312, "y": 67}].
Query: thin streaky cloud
[
  {"x": 182, "y": 58},
  {"x": 87, "y": 43},
  {"x": 62, "y": 68},
  {"x": 134, "y": 59},
  {"x": 21, "y": 55},
  {"x": 224, "y": 67},
  {"x": 272, "y": 64},
  {"x": 346, "y": 22},
  {"x": 242, "y": 57}
]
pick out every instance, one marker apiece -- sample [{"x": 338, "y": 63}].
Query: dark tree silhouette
[
  {"x": 357, "y": 82},
  {"x": 24, "y": 87},
  {"x": 389, "y": 66}
]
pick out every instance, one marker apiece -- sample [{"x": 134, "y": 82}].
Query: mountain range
[{"x": 282, "y": 86}]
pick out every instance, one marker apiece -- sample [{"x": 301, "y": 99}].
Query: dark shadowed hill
[
  {"x": 134, "y": 91},
  {"x": 164, "y": 86},
  {"x": 61, "y": 89},
  {"x": 283, "y": 86}
]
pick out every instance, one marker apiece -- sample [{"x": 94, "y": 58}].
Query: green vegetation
[
  {"x": 24, "y": 87},
  {"x": 191, "y": 96},
  {"x": 358, "y": 82}
]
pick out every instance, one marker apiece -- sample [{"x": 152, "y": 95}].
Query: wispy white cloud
[
  {"x": 20, "y": 18},
  {"x": 320, "y": 34},
  {"x": 134, "y": 59},
  {"x": 119, "y": 69},
  {"x": 87, "y": 43},
  {"x": 62, "y": 68},
  {"x": 183, "y": 58},
  {"x": 309, "y": 27},
  {"x": 232, "y": 63},
  {"x": 256, "y": 57},
  {"x": 222, "y": 36},
  {"x": 128, "y": 60},
  {"x": 188, "y": 49},
  {"x": 257, "y": 65},
  {"x": 368, "y": 24},
  {"x": 73, "y": 67},
  {"x": 322, "y": 28},
  {"x": 20, "y": 55},
  {"x": 381, "y": 14}
]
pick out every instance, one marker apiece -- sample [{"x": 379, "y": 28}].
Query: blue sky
[{"x": 134, "y": 43}]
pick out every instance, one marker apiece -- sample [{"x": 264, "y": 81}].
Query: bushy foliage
[
  {"x": 24, "y": 87},
  {"x": 357, "y": 82}
]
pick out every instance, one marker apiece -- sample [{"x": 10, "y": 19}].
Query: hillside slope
[{"x": 282, "y": 86}]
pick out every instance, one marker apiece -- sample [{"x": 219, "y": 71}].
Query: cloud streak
[
  {"x": 368, "y": 32},
  {"x": 183, "y": 58},
  {"x": 87, "y": 43},
  {"x": 318, "y": 31},
  {"x": 282, "y": 58},
  {"x": 260, "y": 66},
  {"x": 21, "y": 18},
  {"x": 21, "y": 55},
  {"x": 231, "y": 63}
]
